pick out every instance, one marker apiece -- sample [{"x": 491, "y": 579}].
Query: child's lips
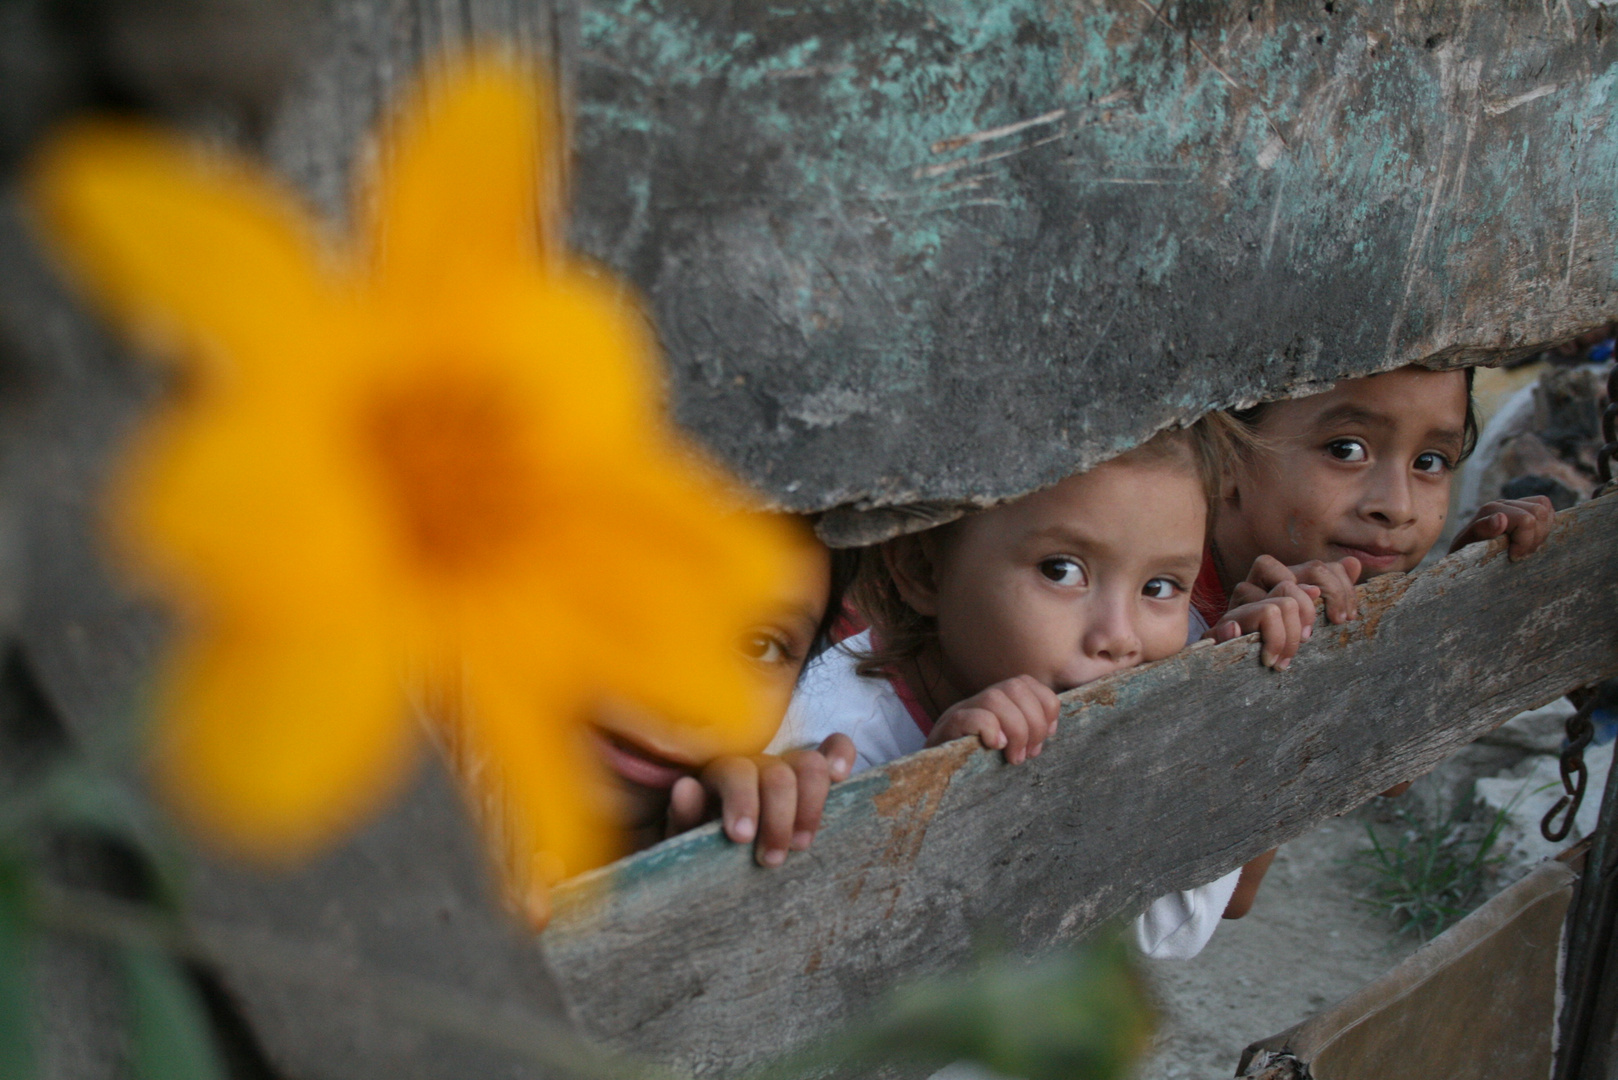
[
  {"x": 636, "y": 764},
  {"x": 1373, "y": 558}
]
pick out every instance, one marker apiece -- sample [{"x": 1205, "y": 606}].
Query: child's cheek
[
  {"x": 1304, "y": 538},
  {"x": 1163, "y": 633}
]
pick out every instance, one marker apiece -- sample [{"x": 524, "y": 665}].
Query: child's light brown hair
[{"x": 899, "y": 632}]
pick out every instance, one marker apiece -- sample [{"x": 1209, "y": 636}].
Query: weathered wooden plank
[
  {"x": 944, "y": 250},
  {"x": 1159, "y": 779}
]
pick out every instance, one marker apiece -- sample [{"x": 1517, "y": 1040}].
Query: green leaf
[
  {"x": 170, "y": 1037},
  {"x": 16, "y": 1013},
  {"x": 1076, "y": 1014},
  {"x": 75, "y": 794}
]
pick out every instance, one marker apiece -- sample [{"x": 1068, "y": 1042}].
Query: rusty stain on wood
[{"x": 1377, "y": 597}]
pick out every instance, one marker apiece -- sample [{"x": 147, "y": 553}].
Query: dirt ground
[{"x": 1307, "y": 943}]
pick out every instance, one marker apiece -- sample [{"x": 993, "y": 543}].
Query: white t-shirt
[
  {"x": 831, "y": 697},
  {"x": 1196, "y": 626}
]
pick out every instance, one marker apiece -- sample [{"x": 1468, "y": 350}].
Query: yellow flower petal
[
  {"x": 454, "y": 458},
  {"x": 191, "y": 247},
  {"x": 275, "y": 741},
  {"x": 248, "y": 506},
  {"x": 656, "y": 532},
  {"x": 533, "y": 739},
  {"x": 570, "y": 339},
  {"x": 462, "y": 180}
]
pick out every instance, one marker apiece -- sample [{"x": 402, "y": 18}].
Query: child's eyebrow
[
  {"x": 1188, "y": 567},
  {"x": 1350, "y": 413},
  {"x": 1446, "y": 439},
  {"x": 1062, "y": 534}
]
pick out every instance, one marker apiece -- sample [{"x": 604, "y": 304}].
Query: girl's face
[
  {"x": 644, "y": 770},
  {"x": 1363, "y": 470},
  {"x": 1070, "y": 583}
]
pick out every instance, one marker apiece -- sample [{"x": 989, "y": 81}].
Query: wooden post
[{"x": 1588, "y": 1025}]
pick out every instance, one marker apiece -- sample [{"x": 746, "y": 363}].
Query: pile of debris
[{"x": 1544, "y": 439}]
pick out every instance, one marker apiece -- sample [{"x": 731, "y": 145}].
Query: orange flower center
[{"x": 453, "y": 462}]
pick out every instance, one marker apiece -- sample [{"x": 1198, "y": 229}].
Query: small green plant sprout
[
  {"x": 1433, "y": 869},
  {"x": 1080, "y": 1013},
  {"x": 169, "y": 1035}
]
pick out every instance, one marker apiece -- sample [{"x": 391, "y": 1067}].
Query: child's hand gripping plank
[
  {"x": 1283, "y": 617},
  {"x": 1016, "y": 715},
  {"x": 1334, "y": 581},
  {"x": 1524, "y": 522},
  {"x": 776, "y": 801}
]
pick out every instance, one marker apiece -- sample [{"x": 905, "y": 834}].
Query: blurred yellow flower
[{"x": 437, "y": 455}]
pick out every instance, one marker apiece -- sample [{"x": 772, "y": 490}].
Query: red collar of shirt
[
  {"x": 912, "y": 706},
  {"x": 1208, "y": 595},
  {"x": 907, "y": 697}
]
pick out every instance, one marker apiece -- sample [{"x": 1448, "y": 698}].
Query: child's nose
[
  {"x": 1111, "y": 634},
  {"x": 1388, "y": 498}
]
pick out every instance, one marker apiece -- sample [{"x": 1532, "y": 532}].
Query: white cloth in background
[
  {"x": 1195, "y": 628},
  {"x": 831, "y": 697},
  {"x": 1178, "y": 925}
]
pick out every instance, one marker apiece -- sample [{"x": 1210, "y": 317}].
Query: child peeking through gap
[
  {"x": 1341, "y": 486},
  {"x": 772, "y": 801},
  {"x": 977, "y": 625}
]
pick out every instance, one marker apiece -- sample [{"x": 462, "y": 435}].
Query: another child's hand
[
  {"x": 1335, "y": 580},
  {"x": 1524, "y": 522},
  {"x": 1016, "y": 715},
  {"x": 1284, "y": 620},
  {"x": 775, "y": 800}
]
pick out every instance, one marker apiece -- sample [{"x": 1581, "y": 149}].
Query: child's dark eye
[
  {"x": 1162, "y": 588},
  {"x": 1350, "y": 450},
  {"x": 765, "y": 647},
  {"x": 1432, "y": 462},
  {"x": 1063, "y": 571}
]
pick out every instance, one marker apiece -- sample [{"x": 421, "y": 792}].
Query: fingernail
[
  {"x": 1309, "y": 631},
  {"x": 839, "y": 771},
  {"x": 1282, "y": 665},
  {"x": 774, "y": 857},
  {"x": 742, "y": 831},
  {"x": 802, "y": 839}
]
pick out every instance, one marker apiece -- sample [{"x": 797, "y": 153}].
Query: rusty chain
[
  {"x": 1574, "y": 774},
  {"x": 1579, "y": 728},
  {"x": 1609, "y": 433}
]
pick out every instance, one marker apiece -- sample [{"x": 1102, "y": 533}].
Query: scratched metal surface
[{"x": 952, "y": 250}]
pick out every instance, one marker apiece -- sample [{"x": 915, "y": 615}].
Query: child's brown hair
[{"x": 899, "y": 632}]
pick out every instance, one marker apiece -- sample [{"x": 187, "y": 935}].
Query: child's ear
[
  {"x": 912, "y": 564},
  {"x": 1230, "y": 492}
]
